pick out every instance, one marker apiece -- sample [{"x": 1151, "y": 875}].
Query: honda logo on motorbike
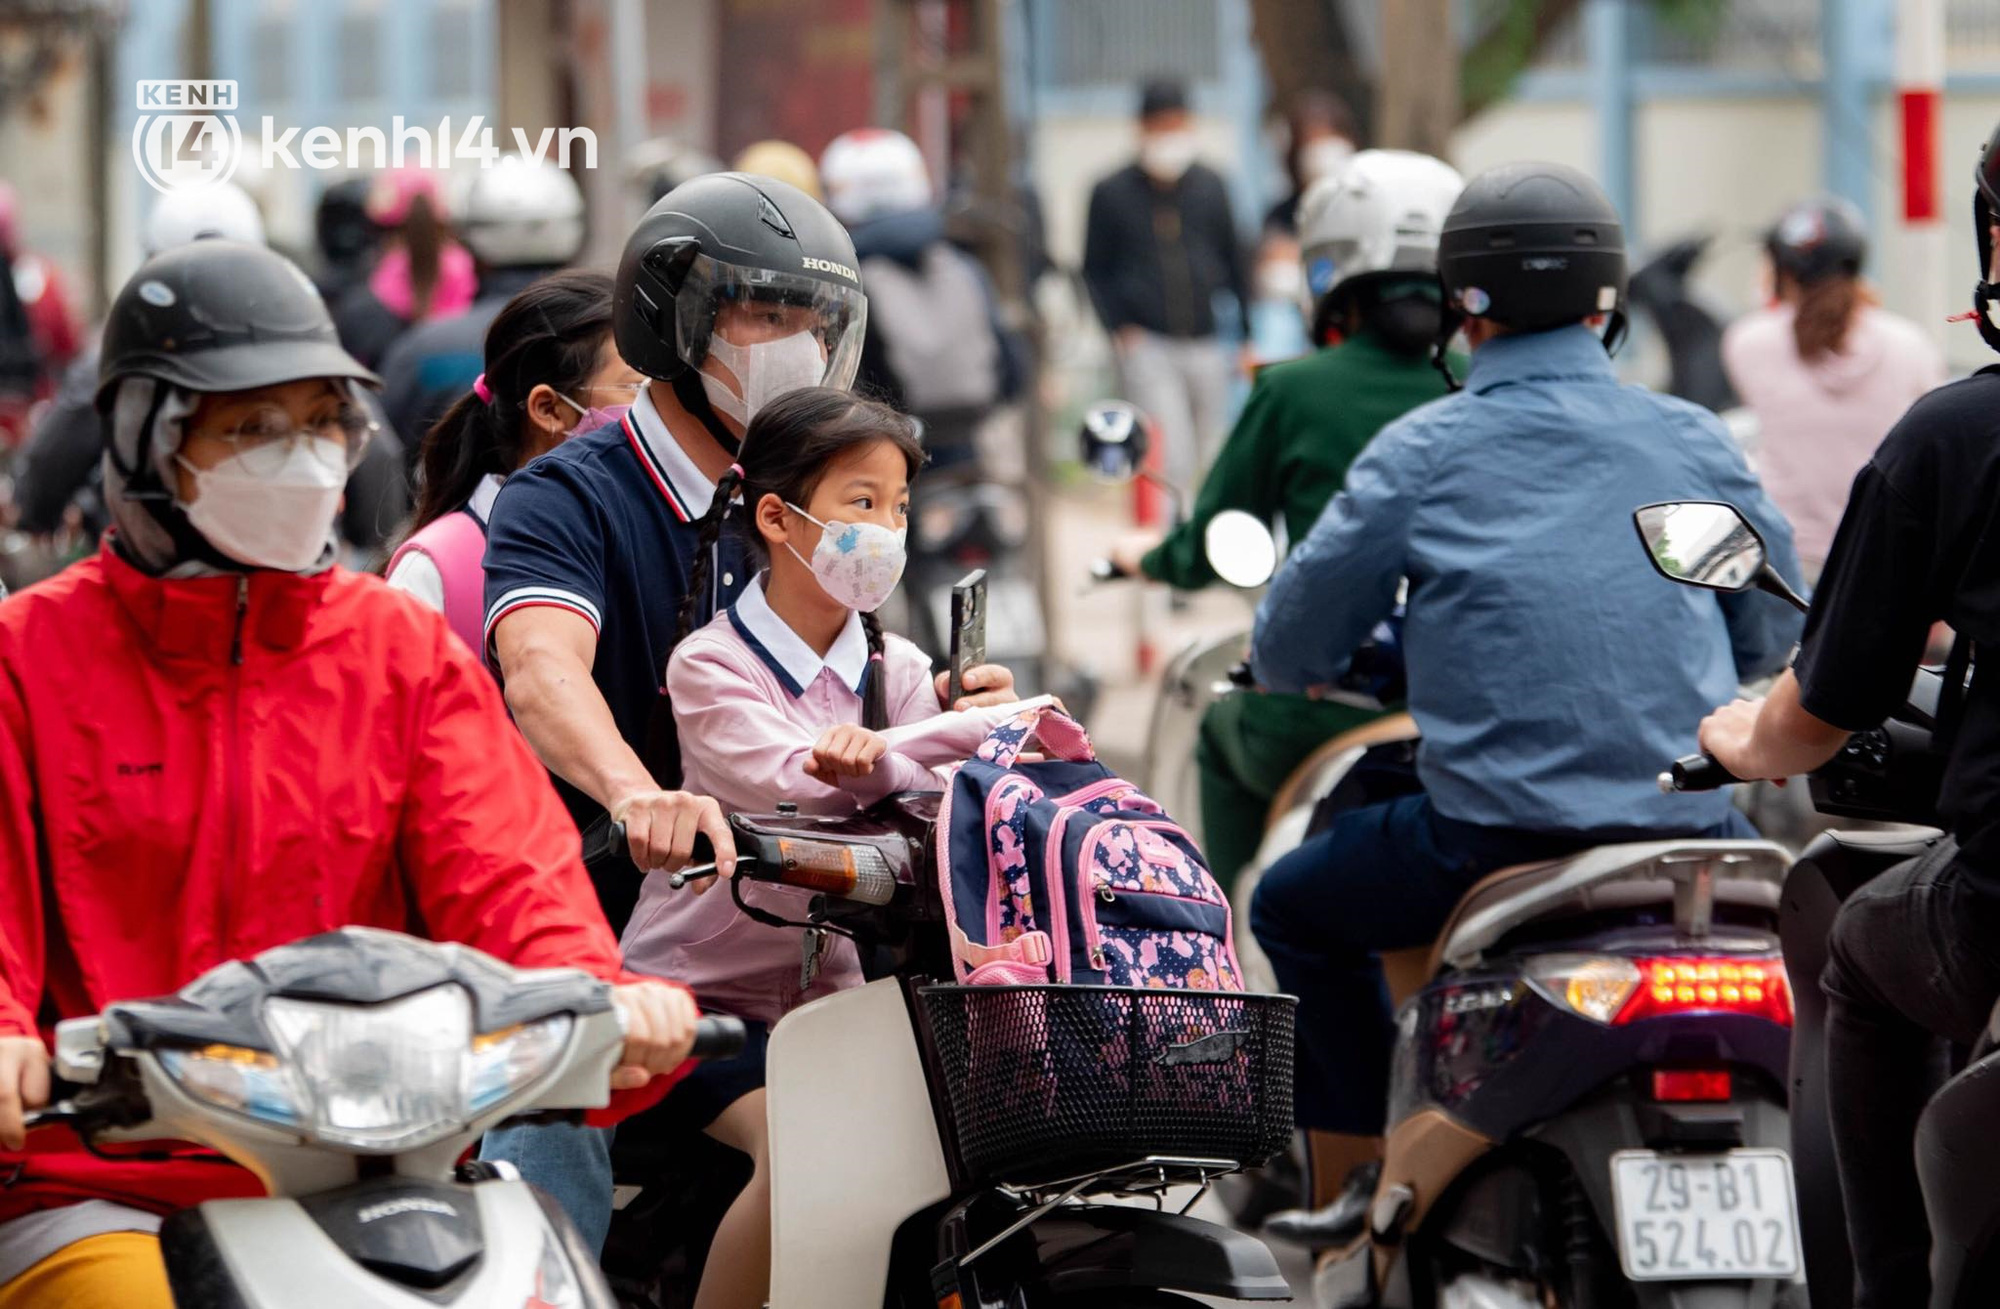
[{"x": 409, "y": 1204}]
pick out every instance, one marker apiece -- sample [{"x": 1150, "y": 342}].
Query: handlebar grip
[
  {"x": 1106, "y": 570},
  {"x": 1241, "y": 675},
  {"x": 718, "y": 1037},
  {"x": 1696, "y": 772}
]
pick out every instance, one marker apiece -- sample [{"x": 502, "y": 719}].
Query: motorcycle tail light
[
  {"x": 1698, "y": 985},
  {"x": 1685, "y": 1085}
]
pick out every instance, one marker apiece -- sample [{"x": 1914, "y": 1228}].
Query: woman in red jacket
[{"x": 214, "y": 741}]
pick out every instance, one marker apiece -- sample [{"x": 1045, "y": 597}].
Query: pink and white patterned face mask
[{"x": 858, "y": 564}]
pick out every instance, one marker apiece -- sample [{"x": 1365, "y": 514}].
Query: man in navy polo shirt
[{"x": 731, "y": 291}]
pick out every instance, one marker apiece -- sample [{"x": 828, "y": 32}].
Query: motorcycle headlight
[{"x": 380, "y": 1078}]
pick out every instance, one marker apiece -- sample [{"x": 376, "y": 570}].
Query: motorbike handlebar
[
  {"x": 718, "y": 1037},
  {"x": 1106, "y": 570},
  {"x": 1696, "y": 772}
]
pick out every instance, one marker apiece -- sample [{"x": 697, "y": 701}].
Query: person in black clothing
[
  {"x": 1914, "y": 958},
  {"x": 1159, "y": 244}
]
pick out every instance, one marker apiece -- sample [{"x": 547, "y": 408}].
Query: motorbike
[
  {"x": 937, "y": 1144},
  {"x": 1889, "y": 774},
  {"x": 1589, "y": 1086},
  {"x": 350, "y": 1071}
]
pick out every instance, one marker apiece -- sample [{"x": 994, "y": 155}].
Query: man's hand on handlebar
[
  {"x": 661, "y": 826},
  {"x": 1728, "y": 736},
  {"x": 24, "y": 1085},
  {"x": 1130, "y": 550},
  {"x": 659, "y": 1031}
]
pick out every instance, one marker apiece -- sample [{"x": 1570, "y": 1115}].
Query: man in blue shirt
[{"x": 1551, "y": 677}]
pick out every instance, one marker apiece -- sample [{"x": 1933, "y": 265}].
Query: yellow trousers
[{"x": 118, "y": 1270}]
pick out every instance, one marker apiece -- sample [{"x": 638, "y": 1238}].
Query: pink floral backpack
[{"x": 1057, "y": 870}]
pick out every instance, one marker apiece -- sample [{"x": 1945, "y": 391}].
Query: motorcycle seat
[{"x": 1627, "y": 876}]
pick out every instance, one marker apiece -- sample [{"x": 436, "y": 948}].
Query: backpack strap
[
  {"x": 456, "y": 545},
  {"x": 1057, "y": 733}
]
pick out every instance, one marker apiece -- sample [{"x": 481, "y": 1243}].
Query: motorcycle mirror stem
[{"x": 1771, "y": 582}]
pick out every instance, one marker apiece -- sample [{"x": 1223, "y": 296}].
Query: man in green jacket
[{"x": 1369, "y": 243}]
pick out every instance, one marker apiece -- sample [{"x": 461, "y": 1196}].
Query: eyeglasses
[
  {"x": 622, "y": 392},
  {"x": 268, "y": 438}
]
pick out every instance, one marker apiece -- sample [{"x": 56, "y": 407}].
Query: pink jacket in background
[
  {"x": 1819, "y": 422},
  {"x": 750, "y": 700}
]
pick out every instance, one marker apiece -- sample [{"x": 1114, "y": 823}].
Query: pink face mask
[{"x": 594, "y": 417}]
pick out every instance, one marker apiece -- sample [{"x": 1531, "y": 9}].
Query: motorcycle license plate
[{"x": 1688, "y": 1217}]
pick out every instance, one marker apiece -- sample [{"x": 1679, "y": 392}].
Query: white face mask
[
  {"x": 1167, "y": 155},
  {"x": 1324, "y": 157},
  {"x": 858, "y": 564},
  {"x": 280, "y": 520},
  {"x": 1280, "y": 280},
  {"x": 765, "y": 371}
]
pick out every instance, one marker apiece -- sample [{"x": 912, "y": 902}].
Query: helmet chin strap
[
  {"x": 144, "y": 487},
  {"x": 1614, "y": 331},
  {"x": 1449, "y": 321},
  {"x": 1985, "y": 305},
  {"x": 694, "y": 398}
]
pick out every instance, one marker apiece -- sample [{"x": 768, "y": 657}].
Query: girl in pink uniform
[{"x": 793, "y": 693}]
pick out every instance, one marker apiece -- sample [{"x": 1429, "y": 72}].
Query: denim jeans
[
  {"x": 571, "y": 1163},
  {"x": 1381, "y": 878},
  {"x": 1913, "y": 963}
]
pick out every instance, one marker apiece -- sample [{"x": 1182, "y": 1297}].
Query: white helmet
[
  {"x": 221, "y": 209},
  {"x": 873, "y": 171},
  {"x": 1381, "y": 213},
  {"x": 522, "y": 213}
]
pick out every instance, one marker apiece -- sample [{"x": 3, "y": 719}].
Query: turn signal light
[
  {"x": 1757, "y": 987},
  {"x": 1690, "y": 1084}
]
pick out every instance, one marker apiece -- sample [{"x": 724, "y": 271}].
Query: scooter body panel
[
  {"x": 249, "y": 1254},
  {"x": 854, "y": 1146},
  {"x": 1087, "y": 1248}
]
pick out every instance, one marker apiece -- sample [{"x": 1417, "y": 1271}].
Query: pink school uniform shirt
[
  {"x": 751, "y": 699},
  {"x": 1819, "y": 422}
]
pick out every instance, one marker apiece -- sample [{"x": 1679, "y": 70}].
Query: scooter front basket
[{"x": 1041, "y": 1083}]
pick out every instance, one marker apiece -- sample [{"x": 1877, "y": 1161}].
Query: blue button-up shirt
[{"x": 1552, "y": 671}]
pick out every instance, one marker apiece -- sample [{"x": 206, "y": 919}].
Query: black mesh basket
[{"x": 1042, "y": 1083}]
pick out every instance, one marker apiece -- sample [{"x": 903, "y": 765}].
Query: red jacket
[{"x": 193, "y": 771}]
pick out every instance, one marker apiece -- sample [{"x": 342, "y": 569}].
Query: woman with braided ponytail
[
  {"x": 552, "y": 372},
  {"x": 793, "y": 693}
]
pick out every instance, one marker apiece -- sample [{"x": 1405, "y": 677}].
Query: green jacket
[{"x": 1304, "y": 423}]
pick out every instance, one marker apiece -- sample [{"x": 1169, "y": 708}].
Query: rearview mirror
[
  {"x": 1114, "y": 439},
  {"x": 1240, "y": 549},
  {"x": 1702, "y": 543}
]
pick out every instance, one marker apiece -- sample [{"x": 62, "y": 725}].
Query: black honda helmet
[
  {"x": 216, "y": 316},
  {"x": 1818, "y": 238},
  {"x": 1986, "y": 212},
  {"x": 1533, "y": 246},
  {"x": 733, "y": 236}
]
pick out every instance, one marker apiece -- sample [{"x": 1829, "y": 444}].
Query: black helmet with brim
[
  {"x": 1533, "y": 246},
  {"x": 218, "y": 316}
]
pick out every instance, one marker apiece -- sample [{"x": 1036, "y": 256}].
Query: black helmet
[
  {"x": 1815, "y": 239},
  {"x": 1985, "y": 213},
  {"x": 220, "y": 315},
  {"x": 729, "y": 237},
  {"x": 1534, "y": 246},
  {"x": 341, "y": 223}
]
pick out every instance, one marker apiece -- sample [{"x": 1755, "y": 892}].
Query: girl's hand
[
  {"x": 985, "y": 684},
  {"x": 846, "y": 751}
]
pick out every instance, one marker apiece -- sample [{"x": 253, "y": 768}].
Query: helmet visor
[{"x": 747, "y": 307}]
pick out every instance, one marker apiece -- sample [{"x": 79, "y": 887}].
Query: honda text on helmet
[
  {"x": 1533, "y": 247},
  {"x": 736, "y": 289},
  {"x": 222, "y": 318},
  {"x": 1816, "y": 239},
  {"x": 1378, "y": 218},
  {"x": 1985, "y": 213}
]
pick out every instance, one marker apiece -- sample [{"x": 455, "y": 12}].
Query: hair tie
[
  {"x": 483, "y": 391},
  {"x": 875, "y": 656},
  {"x": 738, "y": 470}
]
